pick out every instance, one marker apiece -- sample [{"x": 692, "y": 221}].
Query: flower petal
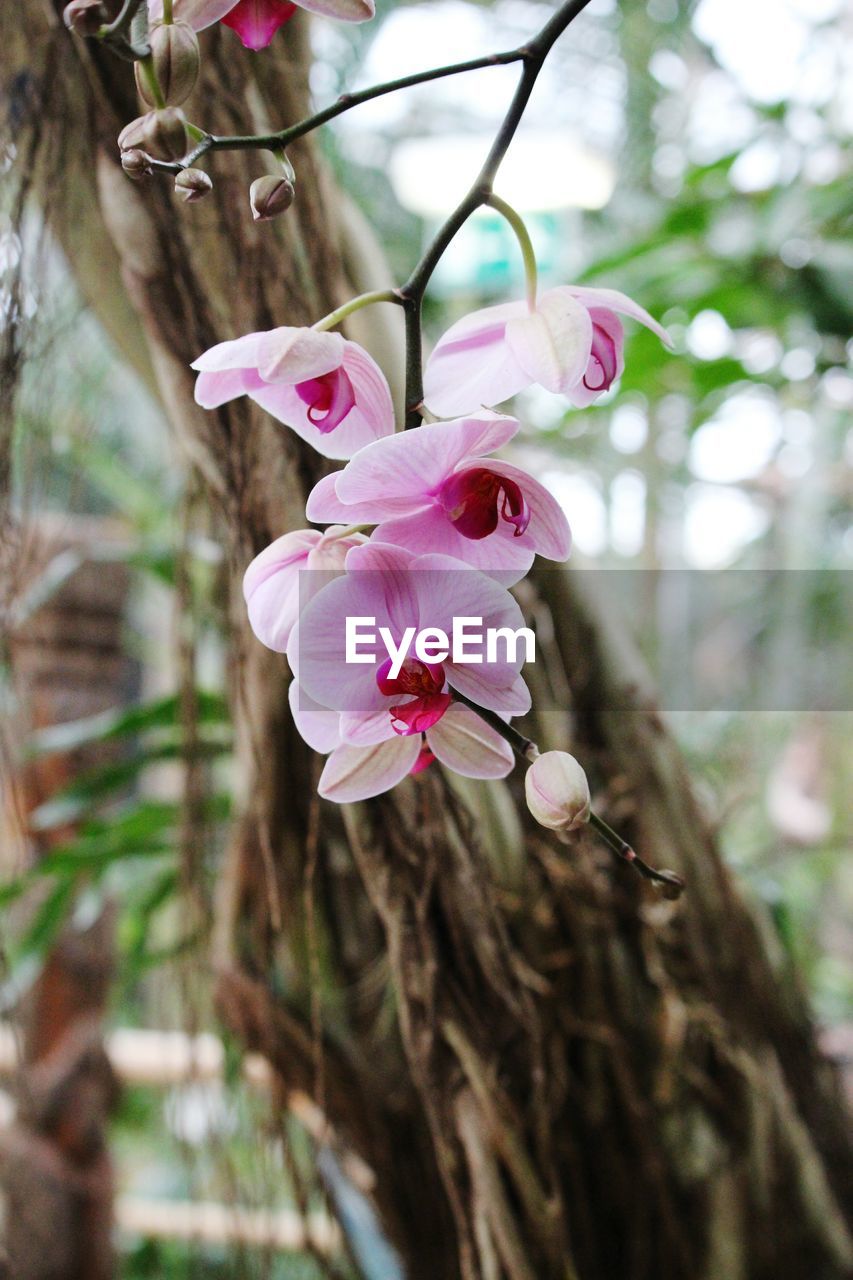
[
  {"x": 198, "y": 13},
  {"x": 508, "y": 700},
  {"x": 613, "y": 300},
  {"x": 316, "y": 649},
  {"x": 324, "y": 505},
  {"x": 472, "y": 365},
  {"x": 356, "y": 773},
  {"x": 500, "y": 555},
  {"x": 378, "y": 587},
  {"x": 236, "y": 353},
  {"x": 317, "y": 725},
  {"x": 342, "y": 10},
  {"x": 367, "y": 730},
  {"x": 379, "y": 557},
  {"x": 383, "y": 574},
  {"x": 294, "y": 355},
  {"x": 465, "y": 743},
  {"x": 214, "y": 389},
  {"x": 448, "y": 589},
  {"x": 271, "y": 587},
  {"x": 412, "y": 464},
  {"x": 552, "y": 343}
]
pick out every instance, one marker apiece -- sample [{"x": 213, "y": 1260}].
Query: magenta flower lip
[
  {"x": 476, "y": 499},
  {"x": 329, "y": 399},
  {"x": 424, "y": 682}
]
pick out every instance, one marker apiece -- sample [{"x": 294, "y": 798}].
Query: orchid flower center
[
  {"x": 603, "y": 360},
  {"x": 422, "y": 683},
  {"x": 329, "y": 399},
  {"x": 476, "y": 499}
]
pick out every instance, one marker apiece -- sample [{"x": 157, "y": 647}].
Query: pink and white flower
[
  {"x": 572, "y": 343},
  {"x": 379, "y": 728},
  {"x": 434, "y": 490},
  {"x": 286, "y": 575},
  {"x": 324, "y": 387},
  {"x": 256, "y": 21}
]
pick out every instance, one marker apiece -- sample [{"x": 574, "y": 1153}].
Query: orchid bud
[
  {"x": 557, "y": 791},
  {"x": 165, "y": 133},
  {"x": 136, "y": 164},
  {"x": 269, "y": 196},
  {"x": 175, "y": 59},
  {"x": 192, "y": 185},
  {"x": 133, "y": 133},
  {"x": 84, "y": 17}
]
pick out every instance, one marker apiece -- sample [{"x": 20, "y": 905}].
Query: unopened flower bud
[
  {"x": 165, "y": 134},
  {"x": 136, "y": 164},
  {"x": 192, "y": 185},
  {"x": 557, "y": 791},
  {"x": 133, "y": 134},
  {"x": 175, "y": 59},
  {"x": 269, "y": 196},
  {"x": 85, "y": 17}
]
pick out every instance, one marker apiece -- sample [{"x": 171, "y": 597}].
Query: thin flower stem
[
  {"x": 355, "y": 304},
  {"x": 167, "y": 13},
  {"x": 533, "y": 56},
  {"x": 674, "y": 884},
  {"x": 517, "y": 223},
  {"x": 526, "y": 749},
  {"x": 149, "y": 74}
]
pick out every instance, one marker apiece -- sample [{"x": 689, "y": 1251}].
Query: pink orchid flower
[
  {"x": 327, "y": 389},
  {"x": 276, "y": 583},
  {"x": 572, "y": 343},
  {"x": 432, "y": 489},
  {"x": 380, "y": 727},
  {"x": 256, "y": 21}
]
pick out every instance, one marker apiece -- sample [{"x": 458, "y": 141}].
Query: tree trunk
[
  {"x": 579, "y": 1078},
  {"x": 67, "y": 663}
]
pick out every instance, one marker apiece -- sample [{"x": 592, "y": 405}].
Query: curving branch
[
  {"x": 533, "y": 55},
  {"x": 284, "y": 137}
]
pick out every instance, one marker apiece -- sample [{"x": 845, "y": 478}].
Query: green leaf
[
  {"x": 49, "y": 919},
  {"x": 109, "y": 726}
]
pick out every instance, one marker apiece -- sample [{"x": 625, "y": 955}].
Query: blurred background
[{"x": 691, "y": 155}]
